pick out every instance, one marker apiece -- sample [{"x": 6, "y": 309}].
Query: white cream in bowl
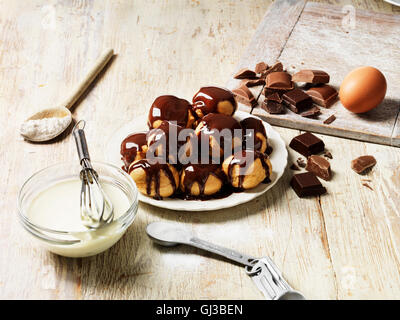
[{"x": 50, "y": 211}]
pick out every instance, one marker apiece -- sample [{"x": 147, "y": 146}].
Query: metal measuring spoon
[
  {"x": 263, "y": 271},
  {"x": 49, "y": 123}
]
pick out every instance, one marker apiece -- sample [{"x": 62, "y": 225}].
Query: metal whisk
[{"x": 96, "y": 208}]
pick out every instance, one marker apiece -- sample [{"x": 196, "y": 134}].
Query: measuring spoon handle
[{"x": 225, "y": 252}]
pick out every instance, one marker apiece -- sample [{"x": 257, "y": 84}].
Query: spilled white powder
[{"x": 42, "y": 128}]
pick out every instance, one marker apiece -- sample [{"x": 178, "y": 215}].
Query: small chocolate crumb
[
  {"x": 301, "y": 163},
  {"x": 330, "y": 119},
  {"x": 328, "y": 155},
  {"x": 294, "y": 167},
  {"x": 368, "y": 186},
  {"x": 366, "y": 180}
]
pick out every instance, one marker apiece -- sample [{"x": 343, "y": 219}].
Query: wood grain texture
[
  {"x": 324, "y": 38},
  {"x": 344, "y": 244}
]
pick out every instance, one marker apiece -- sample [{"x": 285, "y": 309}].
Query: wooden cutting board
[{"x": 306, "y": 35}]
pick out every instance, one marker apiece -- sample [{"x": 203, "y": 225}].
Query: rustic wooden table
[{"x": 344, "y": 245}]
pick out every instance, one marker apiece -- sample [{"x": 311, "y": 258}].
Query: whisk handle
[{"x": 81, "y": 144}]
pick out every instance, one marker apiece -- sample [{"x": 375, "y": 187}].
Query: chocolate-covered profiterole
[
  {"x": 133, "y": 147},
  {"x": 246, "y": 169},
  {"x": 155, "y": 180},
  {"x": 202, "y": 179},
  {"x": 170, "y": 108},
  {"x": 254, "y": 134},
  {"x": 214, "y": 123},
  {"x": 214, "y": 100},
  {"x": 163, "y": 141}
]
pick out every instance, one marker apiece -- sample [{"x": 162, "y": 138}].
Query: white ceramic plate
[{"x": 278, "y": 160}]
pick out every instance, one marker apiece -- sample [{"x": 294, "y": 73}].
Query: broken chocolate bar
[
  {"x": 272, "y": 107},
  {"x": 261, "y": 67},
  {"x": 297, "y": 100},
  {"x": 361, "y": 164},
  {"x": 244, "y": 95},
  {"x": 245, "y": 74},
  {"x": 324, "y": 95},
  {"x": 307, "y": 144},
  {"x": 274, "y": 97},
  {"x": 330, "y": 119},
  {"x": 320, "y": 166},
  {"x": 254, "y": 83},
  {"x": 311, "y": 113},
  {"x": 307, "y": 184},
  {"x": 279, "y": 80},
  {"x": 277, "y": 67},
  {"x": 311, "y": 76}
]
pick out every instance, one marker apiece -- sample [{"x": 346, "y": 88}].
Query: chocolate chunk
[
  {"x": 311, "y": 76},
  {"x": 279, "y": 80},
  {"x": 261, "y": 67},
  {"x": 255, "y": 82},
  {"x": 245, "y": 74},
  {"x": 274, "y": 97},
  {"x": 307, "y": 144},
  {"x": 311, "y": 113},
  {"x": 267, "y": 92},
  {"x": 297, "y": 100},
  {"x": 361, "y": 164},
  {"x": 330, "y": 119},
  {"x": 324, "y": 95},
  {"x": 320, "y": 166},
  {"x": 273, "y": 107},
  {"x": 307, "y": 184},
  {"x": 301, "y": 163},
  {"x": 244, "y": 95},
  {"x": 277, "y": 67},
  {"x": 294, "y": 167}
]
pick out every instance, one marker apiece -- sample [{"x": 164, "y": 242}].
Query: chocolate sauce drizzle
[
  {"x": 169, "y": 108},
  {"x": 163, "y": 132},
  {"x": 253, "y": 126},
  {"x": 217, "y": 121},
  {"x": 153, "y": 172},
  {"x": 207, "y": 99},
  {"x": 240, "y": 158},
  {"x": 130, "y": 147},
  {"x": 199, "y": 173}
]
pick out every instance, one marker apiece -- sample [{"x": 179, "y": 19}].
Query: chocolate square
[
  {"x": 297, "y": 100},
  {"x": 324, "y": 95},
  {"x": 307, "y": 184},
  {"x": 311, "y": 76},
  {"x": 272, "y": 107},
  {"x": 307, "y": 144},
  {"x": 279, "y": 80}
]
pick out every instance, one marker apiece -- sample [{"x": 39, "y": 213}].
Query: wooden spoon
[{"x": 56, "y": 120}]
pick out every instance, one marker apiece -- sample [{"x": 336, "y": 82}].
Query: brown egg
[{"x": 362, "y": 89}]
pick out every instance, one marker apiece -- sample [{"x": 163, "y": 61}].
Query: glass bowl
[{"x": 77, "y": 243}]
